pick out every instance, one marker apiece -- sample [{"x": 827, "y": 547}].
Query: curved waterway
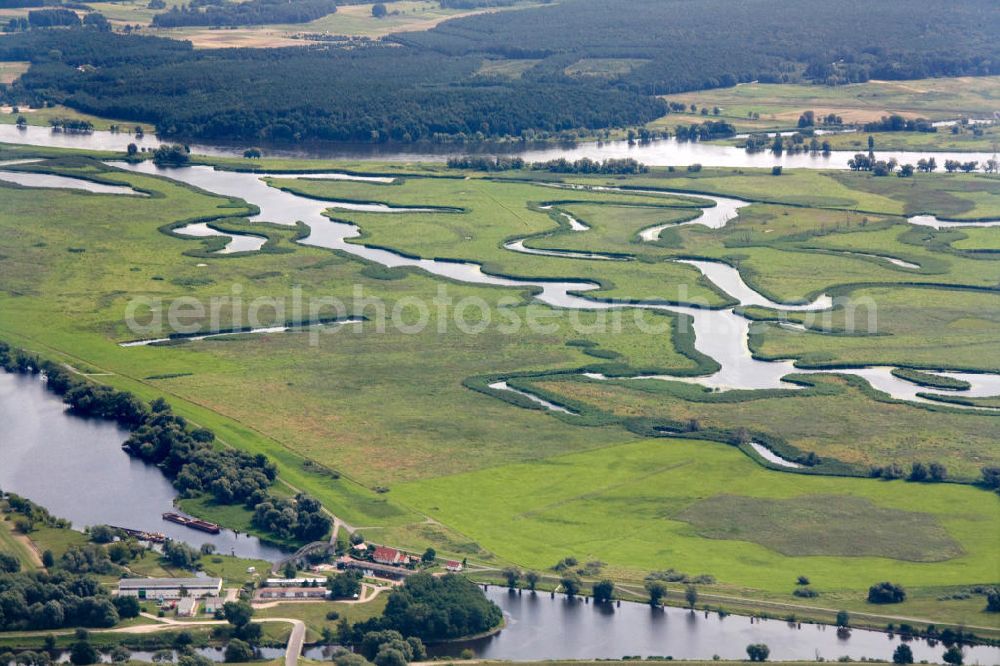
[
  {"x": 31, "y": 179},
  {"x": 75, "y": 468},
  {"x": 237, "y": 242},
  {"x": 658, "y": 153},
  {"x": 543, "y": 627},
  {"x": 720, "y": 334},
  {"x": 935, "y": 223}
]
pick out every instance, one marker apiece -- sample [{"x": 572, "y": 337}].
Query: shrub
[
  {"x": 886, "y": 593},
  {"x": 238, "y": 651}
]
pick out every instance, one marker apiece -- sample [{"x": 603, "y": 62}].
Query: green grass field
[
  {"x": 623, "y": 505},
  {"x": 779, "y": 105},
  {"x": 502, "y": 483}
]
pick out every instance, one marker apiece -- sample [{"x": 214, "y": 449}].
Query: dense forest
[
  {"x": 594, "y": 64},
  {"x": 678, "y": 45},
  {"x": 251, "y": 12},
  {"x": 397, "y": 94}
]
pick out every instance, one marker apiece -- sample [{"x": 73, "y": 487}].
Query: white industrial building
[{"x": 169, "y": 588}]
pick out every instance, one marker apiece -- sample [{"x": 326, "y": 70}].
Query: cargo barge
[
  {"x": 141, "y": 535},
  {"x": 193, "y": 523}
]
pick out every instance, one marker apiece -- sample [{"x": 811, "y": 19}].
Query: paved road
[{"x": 295, "y": 641}]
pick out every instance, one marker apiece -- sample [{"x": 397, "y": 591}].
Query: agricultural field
[
  {"x": 354, "y": 20},
  {"x": 780, "y": 105},
  {"x": 397, "y": 431}
]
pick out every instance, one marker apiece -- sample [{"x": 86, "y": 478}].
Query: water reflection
[
  {"x": 657, "y": 153},
  {"x": 546, "y": 627}
]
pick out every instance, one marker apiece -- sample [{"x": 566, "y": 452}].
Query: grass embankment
[
  {"x": 388, "y": 409},
  {"x": 13, "y": 543}
]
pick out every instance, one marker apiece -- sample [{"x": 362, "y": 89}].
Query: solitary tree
[
  {"x": 691, "y": 596},
  {"x": 237, "y": 613},
  {"x": 758, "y": 652},
  {"x": 531, "y": 578},
  {"x": 379, "y": 10},
  {"x": 512, "y": 575},
  {"x": 993, "y": 601},
  {"x": 657, "y": 591},
  {"x": 604, "y": 591},
  {"x": 239, "y": 651},
  {"x": 83, "y": 653},
  {"x": 903, "y": 654},
  {"x": 953, "y": 655},
  {"x": 429, "y": 556},
  {"x": 843, "y": 619},
  {"x": 570, "y": 585}
]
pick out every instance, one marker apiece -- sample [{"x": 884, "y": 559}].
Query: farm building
[
  {"x": 373, "y": 569},
  {"x": 267, "y": 593},
  {"x": 169, "y": 588},
  {"x": 213, "y": 603},
  {"x": 453, "y": 565},
  {"x": 390, "y": 556}
]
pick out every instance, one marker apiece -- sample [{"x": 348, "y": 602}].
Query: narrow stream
[
  {"x": 237, "y": 242},
  {"x": 30, "y": 179}
]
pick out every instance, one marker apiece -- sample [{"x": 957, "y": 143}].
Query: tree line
[
  {"x": 397, "y": 94},
  {"x": 585, "y": 165},
  {"x": 251, "y": 12}
]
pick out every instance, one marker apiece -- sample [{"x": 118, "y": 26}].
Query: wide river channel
[
  {"x": 657, "y": 153},
  {"x": 75, "y": 468}
]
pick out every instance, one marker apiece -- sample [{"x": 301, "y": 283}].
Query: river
[
  {"x": 657, "y": 153},
  {"x": 75, "y": 467}
]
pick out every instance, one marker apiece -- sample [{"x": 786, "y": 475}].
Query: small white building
[
  {"x": 169, "y": 588},
  {"x": 187, "y": 607},
  {"x": 213, "y": 603}
]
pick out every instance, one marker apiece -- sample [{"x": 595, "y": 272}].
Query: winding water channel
[{"x": 64, "y": 449}]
